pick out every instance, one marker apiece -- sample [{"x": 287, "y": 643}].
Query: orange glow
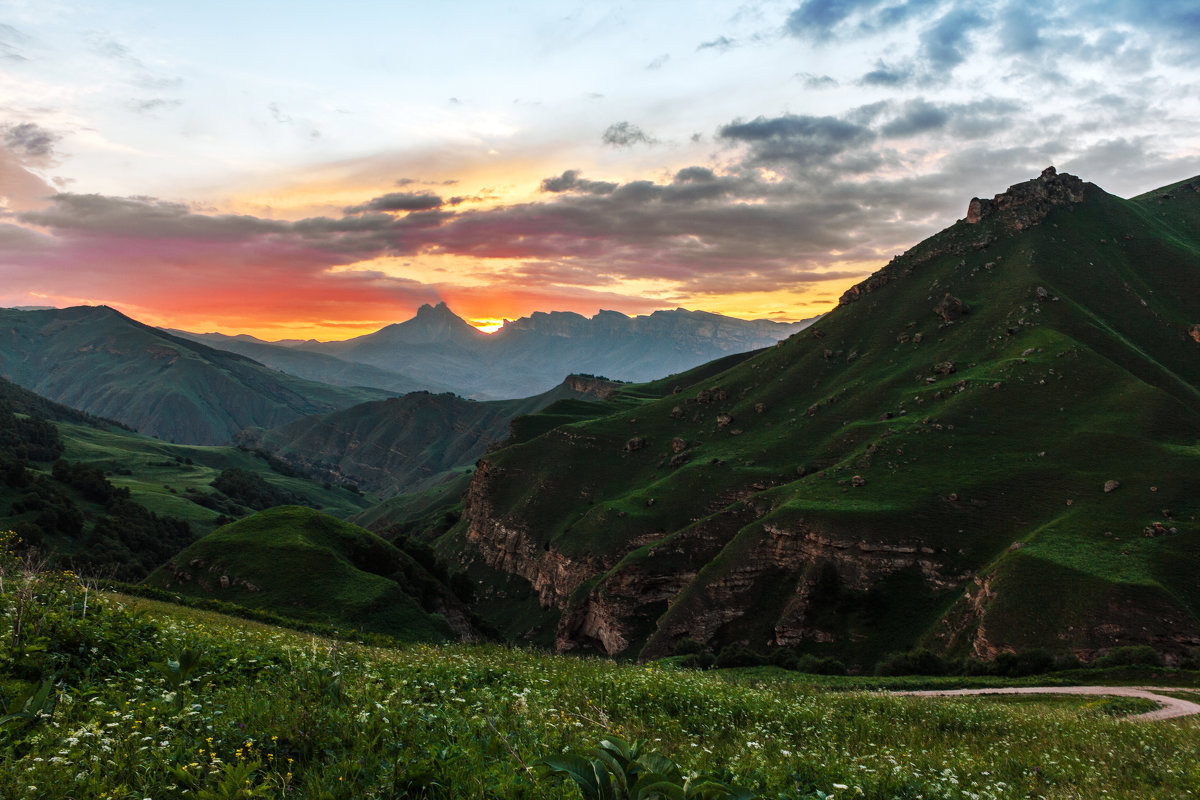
[{"x": 487, "y": 325}]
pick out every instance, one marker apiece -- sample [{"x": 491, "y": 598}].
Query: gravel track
[{"x": 1170, "y": 707}]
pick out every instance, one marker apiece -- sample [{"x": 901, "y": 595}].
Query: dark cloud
[
  {"x": 946, "y": 44},
  {"x": 917, "y": 116},
  {"x": 720, "y": 44},
  {"x": 887, "y": 76},
  {"x": 799, "y": 141},
  {"x": 144, "y": 217},
  {"x": 28, "y": 140},
  {"x": 625, "y": 134},
  {"x": 570, "y": 181},
  {"x": 398, "y": 201},
  {"x": 817, "y": 19}
]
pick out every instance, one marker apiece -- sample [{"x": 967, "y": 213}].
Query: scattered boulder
[
  {"x": 1041, "y": 293},
  {"x": 1111, "y": 486},
  {"x": 858, "y": 480},
  {"x": 678, "y": 444},
  {"x": 950, "y": 308},
  {"x": 760, "y": 408},
  {"x": 676, "y": 412},
  {"x": 723, "y": 420},
  {"x": 1194, "y": 332},
  {"x": 636, "y": 443},
  {"x": 944, "y": 367}
]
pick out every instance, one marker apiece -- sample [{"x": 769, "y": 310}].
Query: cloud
[
  {"x": 11, "y": 41},
  {"x": 812, "y": 81},
  {"x": 659, "y": 62},
  {"x": 153, "y": 104},
  {"x": 887, "y": 76},
  {"x": 29, "y": 141},
  {"x": 817, "y": 19},
  {"x": 625, "y": 134},
  {"x": 918, "y": 116},
  {"x": 398, "y": 201},
  {"x": 798, "y": 141},
  {"x": 570, "y": 181},
  {"x": 720, "y": 44},
  {"x": 946, "y": 43}
]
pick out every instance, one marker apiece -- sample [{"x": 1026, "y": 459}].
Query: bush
[
  {"x": 738, "y": 655},
  {"x": 1142, "y": 655},
  {"x": 686, "y": 647},
  {"x": 819, "y": 665},
  {"x": 916, "y": 662}
]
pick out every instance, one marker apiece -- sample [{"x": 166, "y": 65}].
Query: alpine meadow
[{"x": 600, "y": 402}]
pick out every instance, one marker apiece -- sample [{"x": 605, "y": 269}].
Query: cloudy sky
[{"x": 321, "y": 169}]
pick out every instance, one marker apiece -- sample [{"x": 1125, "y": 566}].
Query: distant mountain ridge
[
  {"x": 438, "y": 349},
  {"x": 100, "y": 361},
  {"x": 398, "y": 444}
]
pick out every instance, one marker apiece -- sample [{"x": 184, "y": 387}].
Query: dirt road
[{"x": 1170, "y": 706}]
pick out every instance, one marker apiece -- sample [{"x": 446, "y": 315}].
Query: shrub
[{"x": 1142, "y": 655}]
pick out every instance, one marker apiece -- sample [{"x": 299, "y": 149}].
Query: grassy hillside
[
  {"x": 175, "y": 702},
  {"x": 407, "y": 443},
  {"x": 300, "y": 563},
  {"x": 903, "y": 473},
  {"x": 166, "y": 477},
  {"x": 100, "y": 361}
]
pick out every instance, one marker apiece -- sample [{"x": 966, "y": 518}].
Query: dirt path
[{"x": 1170, "y": 706}]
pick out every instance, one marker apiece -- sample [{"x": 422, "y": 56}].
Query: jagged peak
[{"x": 1026, "y": 204}]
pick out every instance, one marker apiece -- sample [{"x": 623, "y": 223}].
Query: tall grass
[{"x": 153, "y": 700}]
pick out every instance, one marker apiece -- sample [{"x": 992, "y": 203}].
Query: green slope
[
  {"x": 100, "y": 361},
  {"x": 407, "y": 443},
  {"x": 300, "y": 563},
  {"x": 891, "y": 477}
]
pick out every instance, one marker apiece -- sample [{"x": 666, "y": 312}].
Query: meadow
[{"x": 111, "y": 696}]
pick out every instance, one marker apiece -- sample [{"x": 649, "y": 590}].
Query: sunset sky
[{"x": 295, "y": 169}]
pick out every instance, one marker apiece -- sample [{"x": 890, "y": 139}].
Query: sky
[{"x": 317, "y": 169}]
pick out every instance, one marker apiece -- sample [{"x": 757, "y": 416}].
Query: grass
[
  {"x": 158, "y": 474},
  {"x": 303, "y": 564},
  {"x": 269, "y": 712}
]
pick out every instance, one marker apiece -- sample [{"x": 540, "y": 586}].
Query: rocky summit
[{"x": 990, "y": 445}]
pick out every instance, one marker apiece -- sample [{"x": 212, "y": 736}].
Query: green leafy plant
[{"x": 617, "y": 770}]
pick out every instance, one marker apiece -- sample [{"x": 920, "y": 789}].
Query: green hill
[
  {"x": 929, "y": 465},
  {"x": 106, "y": 364},
  {"x": 302, "y": 564},
  {"x": 111, "y": 502},
  {"x": 410, "y": 442}
]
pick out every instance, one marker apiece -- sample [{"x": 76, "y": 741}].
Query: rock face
[{"x": 1028, "y": 203}]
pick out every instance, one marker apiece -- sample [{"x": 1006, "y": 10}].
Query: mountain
[
  {"x": 319, "y": 367},
  {"x": 436, "y": 348},
  {"x": 401, "y": 443},
  {"x": 300, "y": 563},
  {"x": 102, "y": 362},
  {"x": 990, "y": 445}
]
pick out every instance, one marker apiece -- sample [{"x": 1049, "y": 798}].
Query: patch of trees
[{"x": 250, "y": 490}]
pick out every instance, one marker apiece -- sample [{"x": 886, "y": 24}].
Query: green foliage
[
  {"x": 250, "y": 490},
  {"x": 1130, "y": 656},
  {"x": 267, "y": 712},
  {"x": 618, "y": 770}
]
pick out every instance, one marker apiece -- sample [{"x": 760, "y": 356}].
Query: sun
[{"x": 487, "y": 325}]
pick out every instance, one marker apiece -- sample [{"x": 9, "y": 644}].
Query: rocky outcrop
[
  {"x": 1028, "y": 203},
  {"x": 507, "y": 546}
]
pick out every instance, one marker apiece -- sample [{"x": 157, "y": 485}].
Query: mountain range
[
  {"x": 100, "y": 361},
  {"x": 438, "y": 351},
  {"x": 991, "y": 444}
]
